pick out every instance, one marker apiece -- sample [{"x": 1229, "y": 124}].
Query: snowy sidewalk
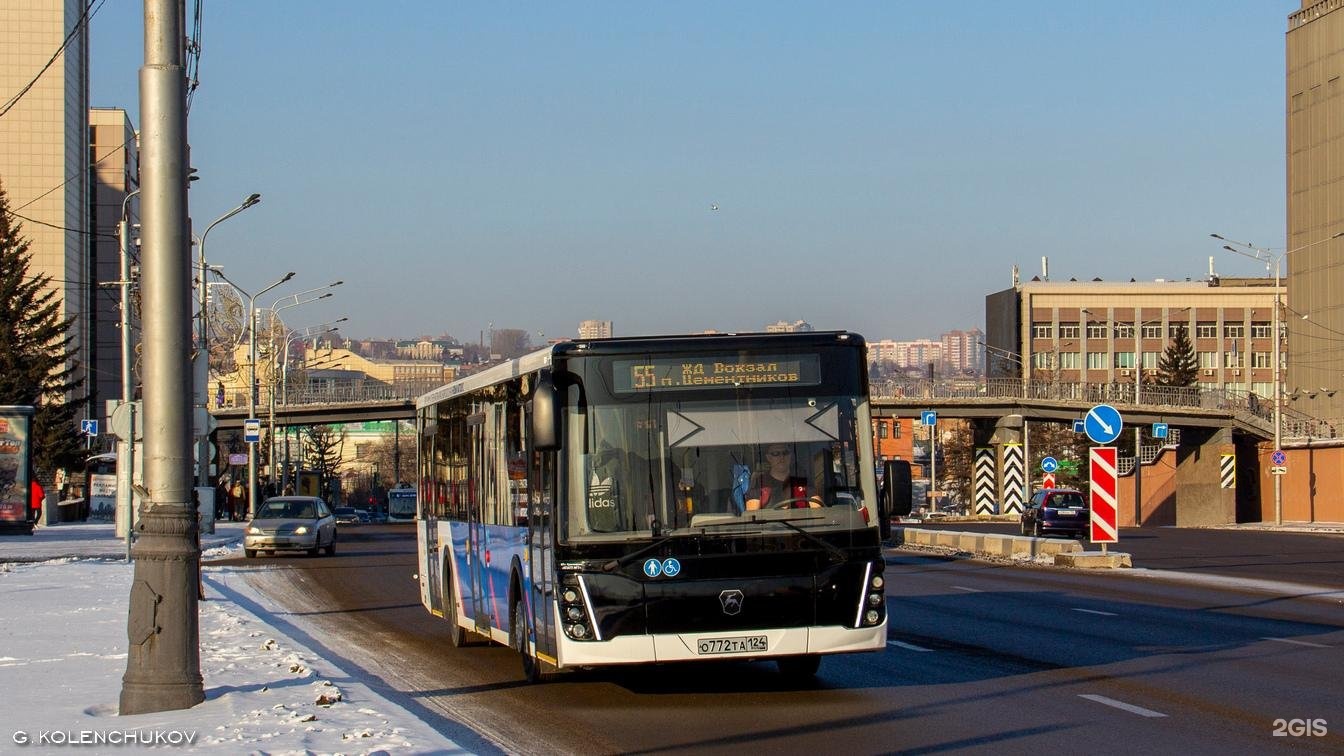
[{"x": 64, "y": 653}]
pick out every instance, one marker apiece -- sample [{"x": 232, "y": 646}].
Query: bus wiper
[
  {"x": 616, "y": 564},
  {"x": 834, "y": 550}
]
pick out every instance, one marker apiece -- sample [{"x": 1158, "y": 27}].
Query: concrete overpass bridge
[{"x": 1219, "y": 431}]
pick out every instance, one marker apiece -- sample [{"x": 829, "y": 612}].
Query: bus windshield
[{"x": 669, "y": 463}]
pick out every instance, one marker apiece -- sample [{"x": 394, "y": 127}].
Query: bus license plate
[{"x": 739, "y": 645}]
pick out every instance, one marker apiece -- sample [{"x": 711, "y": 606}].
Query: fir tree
[
  {"x": 1178, "y": 366},
  {"x": 36, "y": 353},
  {"x": 322, "y": 451}
]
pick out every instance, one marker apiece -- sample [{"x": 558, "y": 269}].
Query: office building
[
  {"x": 1101, "y": 332},
  {"x": 1314, "y": 265},
  {"x": 44, "y": 153},
  {"x": 116, "y": 173}
]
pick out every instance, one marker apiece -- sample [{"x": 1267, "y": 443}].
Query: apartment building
[{"x": 595, "y": 329}]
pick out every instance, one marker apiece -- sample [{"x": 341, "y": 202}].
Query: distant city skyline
[{"x": 693, "y": 167}]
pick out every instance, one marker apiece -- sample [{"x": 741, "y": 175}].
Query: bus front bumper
[{"x": 744, "y": 644}]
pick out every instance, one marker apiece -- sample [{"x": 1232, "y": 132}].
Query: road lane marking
[
  {"x": 1094, "y": 611},
  {"x": 1131, "y": 708},
  {"x": 968, "y": 590},
  {"x": 908, "y": 646},
  {"x": 1297, "y": 642}
]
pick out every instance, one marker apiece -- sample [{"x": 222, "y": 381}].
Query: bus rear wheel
[{"x": 799, "y": 668}]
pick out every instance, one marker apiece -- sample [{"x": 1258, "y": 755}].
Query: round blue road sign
[
  {"x": 1102, "y": 424},
  {"x": 653, "y": 568},
  {"x": 1049, "y": 464},
  {"x": 1278, "y": 457},
  {"x": 671, "y": 567}
]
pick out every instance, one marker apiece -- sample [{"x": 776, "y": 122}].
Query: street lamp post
[
  {"x": 252, "y": 379},
  {"x": 270, "y": 327},
  {"x": 1266, "y": 256},
  {"x": 126, "y": 479},
  {"x": 203, "y": 341},
  {"x": 317, "y": 330}
]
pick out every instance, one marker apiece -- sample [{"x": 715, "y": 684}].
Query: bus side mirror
[
  {"x": 899, "y": 488},
  {"x": 545, "y": 416}
]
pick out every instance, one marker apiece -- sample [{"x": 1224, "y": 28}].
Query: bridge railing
[{"x": 1248, "y": 406}]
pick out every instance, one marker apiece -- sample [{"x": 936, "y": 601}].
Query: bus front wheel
[
  {"x": 518, "y": 628},
  {"x": 456, "y": 635}
]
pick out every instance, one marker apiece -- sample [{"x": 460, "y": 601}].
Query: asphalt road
[
  {"x": 981, "y": 658},
  {"x": 1299, "y": 558}
]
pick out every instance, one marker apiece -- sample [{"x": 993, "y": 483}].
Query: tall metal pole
[
  {"x": 126, "y": 462},
  {"x": 163, "y": 663},
  {"x": 203, "y": 338},
  {"x": 1138, "y": 432},
  {"x": 251, "y": 406},
  {"x": 1278, "y": 397}
]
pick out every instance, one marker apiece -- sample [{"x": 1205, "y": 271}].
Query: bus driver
[{"x": 777, "y": 484}]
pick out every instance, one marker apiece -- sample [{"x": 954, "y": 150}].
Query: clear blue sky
[{"x": 877, "y": 166}]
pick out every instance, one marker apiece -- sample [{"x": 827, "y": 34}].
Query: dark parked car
[
  {"x": 291, "y": 523},
  {"x": 347, "y": 516},
  {"x": 1056, "y": 510}
]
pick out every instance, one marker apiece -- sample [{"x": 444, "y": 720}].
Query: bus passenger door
[
  {"x": 433, "y": 587},
  {"x": 476, "y": 545},
  {"x": 540, "y": 561}
]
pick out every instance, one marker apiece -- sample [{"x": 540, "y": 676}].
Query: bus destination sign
[{"x": 679, "y": 373}]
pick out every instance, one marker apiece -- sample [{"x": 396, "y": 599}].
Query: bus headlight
[
  {"x": 577, "y": 631},
  {"x": 874, "y": 600},
  {"x": 872, "y": 617},
  {"x": 574, "y": 614},
  {"x": 570, "y": 596},
  {"x": 878, "y": 582}
]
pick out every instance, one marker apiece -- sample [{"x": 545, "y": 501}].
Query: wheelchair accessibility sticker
[{"x": 669, "y": 567}]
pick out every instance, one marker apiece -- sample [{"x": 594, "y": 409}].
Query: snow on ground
[{"x": 63, "y": 650}]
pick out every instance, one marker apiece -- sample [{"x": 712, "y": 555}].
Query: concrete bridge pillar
[
  {"x": 984, "y": 470},
  {"x": 1009, "y": 439},
  {"x": 1204, "y": 494}
]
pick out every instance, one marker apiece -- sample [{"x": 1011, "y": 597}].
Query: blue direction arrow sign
[
  {"x": 928, "y": 417},
  {"x": 1102, "y": 424},
  {"x": 1049, "y": 464},
  {"x": 1078, "y": 426},
  {"x": 1159, "y": 430}
]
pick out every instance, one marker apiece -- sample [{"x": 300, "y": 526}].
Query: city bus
[
  {"x": 401, "y": 505},
  {"x": 590, "y": 503}
]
